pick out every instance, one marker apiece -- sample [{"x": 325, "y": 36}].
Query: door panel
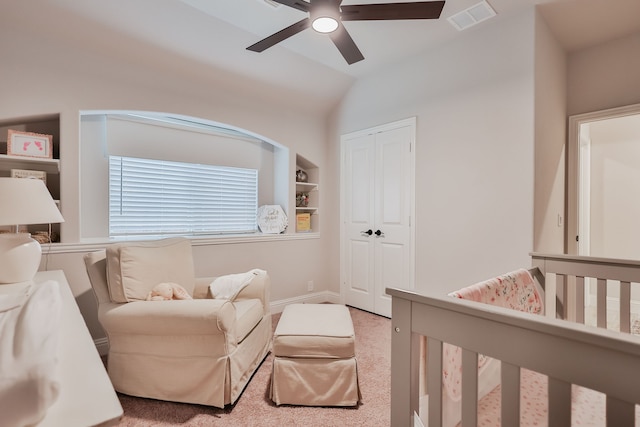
[
  {"x": 360, "y": 276},
  {"x": 392, "y": 214},
  {"x": 359, "y": 165},
  {"x": 389, "y": 273},
  {"x": 378, "y": 188}
]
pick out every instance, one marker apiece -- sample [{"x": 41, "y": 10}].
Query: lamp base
[{"x": 19, "y": 257}]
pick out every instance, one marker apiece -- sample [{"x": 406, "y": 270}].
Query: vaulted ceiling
[{"x": 215, "y": 33}]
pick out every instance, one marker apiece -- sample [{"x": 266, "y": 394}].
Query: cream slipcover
[
  {"x": 314, "y": 357},
  {"x": 201, "y": 351}
]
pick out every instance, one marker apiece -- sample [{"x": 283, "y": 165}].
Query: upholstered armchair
[{"x": 202, "y": 350}]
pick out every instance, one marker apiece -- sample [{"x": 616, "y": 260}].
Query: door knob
[
  {"x": 379, "y": 233},
  {"x": 369, "y": 232}
]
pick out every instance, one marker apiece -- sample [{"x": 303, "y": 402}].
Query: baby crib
[{"x": 556, "y": 345}]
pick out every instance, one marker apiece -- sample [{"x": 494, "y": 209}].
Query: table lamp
[{"x": 23, "y": 201}]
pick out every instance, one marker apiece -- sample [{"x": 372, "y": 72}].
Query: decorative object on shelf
[
  {"x": 272, "y": 219},
  {"x": 303, "y": 222},
  {"x": 29, "y": 144},
  {"x": 23, "y": 173},
  {"x": 45, "y": 237},
  {"x": 302, "y": 200},
  {"x": 24, "y": 202},
  {"x": 301, "y": 176}
]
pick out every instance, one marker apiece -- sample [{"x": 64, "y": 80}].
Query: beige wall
[
  {"x": 49, "y": 72},
  {"x": 550, "y": 136},
  {"x": 479, "y": 123},
  {"x": 473, "y": 99},
  {"x": 604, "y": 76}
]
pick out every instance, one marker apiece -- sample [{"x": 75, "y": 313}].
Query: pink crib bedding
[
  {"x": 588, "y": 407},
  {"x": 516, "y": 290}
]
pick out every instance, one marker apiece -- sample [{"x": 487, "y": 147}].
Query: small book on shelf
[{"x": 303, "y": 222}]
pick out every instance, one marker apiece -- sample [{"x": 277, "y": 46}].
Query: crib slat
[
  {"x": 625, "y": 307},
  {"x": 434, "y": 382},
  {"x": 559, "y": 403},
  {"x": 619, "y": 413},
  {"x": 562, "y": 296},
  {"x": 510, "y": 407},
  {"x": 469, "y": 388},
  {"x": 602, "y": 303},
  {"x": 580, "y": 299}
]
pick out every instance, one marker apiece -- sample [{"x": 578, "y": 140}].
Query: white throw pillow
[{"x": 229, "y": 286}]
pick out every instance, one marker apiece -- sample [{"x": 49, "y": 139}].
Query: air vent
[
  {"x": 471, "y": 16},
  {"x": 271, "y": 3}
]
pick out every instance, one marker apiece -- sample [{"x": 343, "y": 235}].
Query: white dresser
[{"x": 87, "y": 397}]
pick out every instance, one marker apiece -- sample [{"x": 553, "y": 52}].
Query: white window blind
[{"x": 158, "y": 197}]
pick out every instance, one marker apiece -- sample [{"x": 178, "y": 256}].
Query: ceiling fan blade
[
  {"x": 280, "y": 35},
  {"x": 296, "y": 4},
  {"x": 392, "y": 11},
  {"x": 346, "y": 45}
]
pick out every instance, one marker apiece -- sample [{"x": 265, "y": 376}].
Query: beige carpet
[{"x": 254, "y": 408}]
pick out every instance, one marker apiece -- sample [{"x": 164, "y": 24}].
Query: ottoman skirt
[{"x": 314, "y": 357}]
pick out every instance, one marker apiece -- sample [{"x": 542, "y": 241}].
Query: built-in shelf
[
  {"x": 51, "y": 166},
  {"x": 48, "y": 125},
  {"x": 310, "y": 187},
  {"x": 306, "y": 186},
  {"x": 306, "y": 209}
]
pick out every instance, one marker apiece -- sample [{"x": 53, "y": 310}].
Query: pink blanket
[{"x": 515, "y": 290}]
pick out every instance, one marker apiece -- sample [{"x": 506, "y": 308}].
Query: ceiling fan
[{"x": 326, "y": 16}]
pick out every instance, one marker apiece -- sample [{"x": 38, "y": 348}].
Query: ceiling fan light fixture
[
  {"x": 324, "y": 15},
  {"x": 325, "y": 24}
]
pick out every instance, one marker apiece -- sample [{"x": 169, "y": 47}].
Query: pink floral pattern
[
  {"x": 515, "y": 290},
  {"x": 588, "y": 407}
]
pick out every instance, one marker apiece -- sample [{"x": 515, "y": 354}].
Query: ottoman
[{"x": 314, "y": 360}]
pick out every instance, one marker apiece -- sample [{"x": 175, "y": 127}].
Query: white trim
[
  {"x": 314, "y": 298},
  {"x": 409, "y": 122},
  {"x": 62, "y": 248},
  {"x": 573, "y": 166},
  {"x": 102, "y": 345}
]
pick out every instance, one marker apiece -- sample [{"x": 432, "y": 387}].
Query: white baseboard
[
  {"x": 314, "y": 298},
  {"x": 102, "y": 344}
]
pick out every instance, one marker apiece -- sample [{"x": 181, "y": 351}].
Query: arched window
[{"x": 151, "y": 174}]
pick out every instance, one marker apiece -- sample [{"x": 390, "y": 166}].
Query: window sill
[{"x": 97, "y": 244}]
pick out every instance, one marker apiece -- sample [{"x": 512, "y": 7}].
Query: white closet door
[
  {"x": 377, "y": 207},
  {"x": 358, "y": 256},
  {"x": 392, "y": 254}
]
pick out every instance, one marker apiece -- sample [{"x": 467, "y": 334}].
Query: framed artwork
[
  {"x": 272, "y": 219},
  {"x": 30, "y": 174},
  {"x": 29, "y": 144}
]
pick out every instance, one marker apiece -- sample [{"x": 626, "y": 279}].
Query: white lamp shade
[
  {"x": 23, "y": 201},
  {"x": 26, "y": 201}
]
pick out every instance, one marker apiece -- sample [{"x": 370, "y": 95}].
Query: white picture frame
[
  {"x": 29, "y": 174},
  {"x": 272, "y": 219},
  {"x": 29, "y": 144}
]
